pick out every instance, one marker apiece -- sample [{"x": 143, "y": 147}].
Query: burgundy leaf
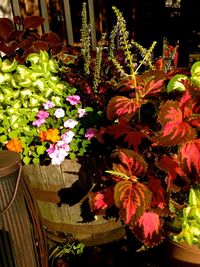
[
  {"x": 190, "y": 155},
  {"x": 172, "y": 167},
  {"x": 33, "y": 22},
  {"x": 6, "y": 27},
  {"x": 40, "y": 45}
]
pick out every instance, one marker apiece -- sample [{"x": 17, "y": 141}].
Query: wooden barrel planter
[{"x": 73, "y": 179}]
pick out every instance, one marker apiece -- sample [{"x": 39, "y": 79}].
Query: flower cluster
[{"x": 42, "y": 116}]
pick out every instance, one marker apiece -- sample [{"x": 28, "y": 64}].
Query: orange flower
[
  {"x": 42, "y": 136},
  {"x": 14, "y": 145},
  {"x": 50, "y": 135}
]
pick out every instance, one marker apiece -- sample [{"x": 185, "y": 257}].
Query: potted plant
[{"x": 153, "y": 139}]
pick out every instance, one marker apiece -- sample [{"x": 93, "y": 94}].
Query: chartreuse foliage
[
  {"x": 24, "y": 88},
  {"x": 189, "y": 219}
]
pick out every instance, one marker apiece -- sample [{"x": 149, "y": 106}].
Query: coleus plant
[{"x": 154, "y": 134}]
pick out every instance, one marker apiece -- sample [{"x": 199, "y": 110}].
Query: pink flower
[
  {"x": 81, "y": 112},
  {"x": 73, "y": 100},
  {"x": 70, "y": 123},
  {"x": 59, "y": 113},
  {"x": 90, "y": 133},
  {"x": 42, "y": 114},
  {"x": 48, "y": 105},
  {"x": 57, "y": 153},
  {"x": 38, "y": 122},
  {"x": 67, "y": 136}
]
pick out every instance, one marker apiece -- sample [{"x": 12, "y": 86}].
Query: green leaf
[
  {"x": 8, "y": 66},
  {"x": 26, "y": 160},
  {"x": 3, "y": 138},
  {"x": 72, "y": 156},
  {"x": 13, "y": 134},
  {"x": 175, "y": 83},
  {"x": 36, "y": 160},
  {"x": 33, "y": 58},
  {"x": 41, "y": 150},
  {"x": 195, "y": 69},
  {"x": 2, "y": 129}
]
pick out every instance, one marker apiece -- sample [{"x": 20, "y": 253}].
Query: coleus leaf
[
  {"x": 121, "y": 106},
  {"x": 130, "y": 163},
  {"x": 172, "y": 167},
  {"x": 131, "y": 199},
  {"x": 40, "y": 45},
  {"x": 190, "y": 156},
  {"x": 119, "y": 129},
  {"x": 123, "y": 128},
  {"x": 33, "y": 22},
  {"x": 100, "y": 201},
  {"x": 151, "y": 88},
  {"x": 6, "y": 27},
  {"x": 158, "y": 193},
  {"x": 134, "y": 139},
  {"x": 174, "y": 129},
  {"x": 176, "y": 83},
  {"x": 148, "y": 229}
]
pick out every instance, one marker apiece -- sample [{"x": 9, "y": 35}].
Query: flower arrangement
[{"x": 42, "y": 117}]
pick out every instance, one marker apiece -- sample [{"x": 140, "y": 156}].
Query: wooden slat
[
  {"x": 15, "y": 7},
  {"x": 92, "y": 21},
  {"x": 44, "y": 11},
  {"x": 68, "y": 22}
]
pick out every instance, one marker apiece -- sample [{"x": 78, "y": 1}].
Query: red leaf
[
  {"x": 100, "y": 201},
  {"x": 51, "y": 37},
  {"x": 131, "y": 163},
  {"x": 119, "y": 129},
  {"x": 132, "y": 199},
  {"x": 148, "y": 229},
  {"x": 6, "y": 27},
  {"x": 33, "y": 22},
  {"x": 174, "y": 129},
  {"x": 151, "y": 88},
  {"x": 40, "y": 45},
  {"x": 171, "y": 167},
  {"x": 134, "y": 139},
  {"x": 121, "y": 106},
  {"x": 158, "y": 193},
  {"x": 150, "y": 222},
  {"x": 27, "y": 43},
  {"x": 190, "y": 155}
]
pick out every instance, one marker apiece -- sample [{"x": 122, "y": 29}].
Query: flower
[
  {"x": 74, "y": 99},
  {"x": 14, "y": 145}
]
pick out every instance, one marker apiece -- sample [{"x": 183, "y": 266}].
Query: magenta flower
[
  {"x": 48, "y": 105},
  {"x": 73, "y": 99},
  {"x": 90, "y": 133},
  {"x": 59, "y": 113},
  {"x": 81, "y": 112},
  {"x": 70, "y": 123},
  {"x": 42, "y": 114}
]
